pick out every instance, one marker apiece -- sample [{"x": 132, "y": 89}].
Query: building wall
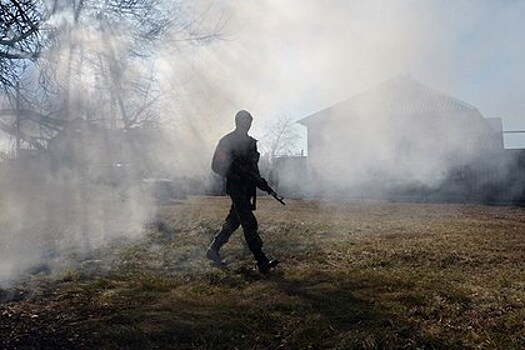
[{"x": 349, "y": 150}]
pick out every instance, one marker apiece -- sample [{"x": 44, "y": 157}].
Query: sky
[{"x": 296, "y": 57}]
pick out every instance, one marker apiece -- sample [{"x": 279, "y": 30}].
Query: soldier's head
[{"x": 243, "y": 121}]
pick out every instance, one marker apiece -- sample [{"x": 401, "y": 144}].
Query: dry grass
[{"x": 359, "y": 275}]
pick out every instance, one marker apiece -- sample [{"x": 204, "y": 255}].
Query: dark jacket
[{"x": 234, "y": 153}]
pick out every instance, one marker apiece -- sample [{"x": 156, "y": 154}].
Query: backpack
[{"x": 221, "y": 159}]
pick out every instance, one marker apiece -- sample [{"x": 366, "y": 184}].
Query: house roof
[{"x": 397, "y": 95}]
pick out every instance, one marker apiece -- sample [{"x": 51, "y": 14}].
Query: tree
[
  {"x": 281, "y": 138},
  {"x": 92, "y": 59},
  {"x": 20, "y": 39},
  {"x": 105, "y": 48}
]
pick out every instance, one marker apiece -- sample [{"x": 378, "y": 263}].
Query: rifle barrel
[{"x": 276, "y": 196}]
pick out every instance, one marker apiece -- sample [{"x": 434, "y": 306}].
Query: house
[
  {"x": 401, "y": 137},
  {"x": 286, "y": 175}
]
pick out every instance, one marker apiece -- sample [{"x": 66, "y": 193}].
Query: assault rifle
[
  {"x": 272, "y": 193},
  {"x": 258, "y": 181}
]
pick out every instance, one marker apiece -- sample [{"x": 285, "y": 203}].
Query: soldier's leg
[
  {"x": 249, "y": 225},
  {"x": 231, "y": 223}
]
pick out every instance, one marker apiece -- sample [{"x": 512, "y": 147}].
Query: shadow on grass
[
  {"x": 350, "y": 315},
  {"x": 243, "y": 310}
]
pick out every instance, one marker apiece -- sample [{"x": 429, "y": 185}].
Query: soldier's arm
[
  {"x": 256, "y": 157},
  {"x": 259, "y": 180}
]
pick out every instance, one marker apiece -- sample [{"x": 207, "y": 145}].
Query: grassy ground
[{"x": 360, "y": 275}]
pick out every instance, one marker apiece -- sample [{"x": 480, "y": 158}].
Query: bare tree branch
[
  {"x": 20, "y": 39},
  {"x": 281, "y": 137}
]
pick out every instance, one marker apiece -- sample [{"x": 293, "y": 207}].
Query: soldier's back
[{"x": 239, "y": 145}]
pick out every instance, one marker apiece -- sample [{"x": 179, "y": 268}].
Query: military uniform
[{"x": 235, "y": 157}]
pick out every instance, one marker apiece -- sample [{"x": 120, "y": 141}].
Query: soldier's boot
[
  {"x": 264, "y": 264},
  {"x": 220, "y": 239},
  {"x": 213, "y": 254},
  {"x": 265, "y": 268}
]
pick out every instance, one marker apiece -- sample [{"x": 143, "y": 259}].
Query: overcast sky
[{"x": 299, "y": 56}]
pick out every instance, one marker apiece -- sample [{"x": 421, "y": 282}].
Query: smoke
[
  {"x": 300, "y": 57},
  {"x": 90, "y": 143},
  {"x": 171, "y": 81}
]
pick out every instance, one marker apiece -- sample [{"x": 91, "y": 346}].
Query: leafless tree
[
  {"x": 83, "y": 51},
  {"x": 20, "y": 39},
  {"x": 127, "y": 33},
  {"x": 281, "y": 138}
]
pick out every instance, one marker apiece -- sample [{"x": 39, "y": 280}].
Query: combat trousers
[{"x": 241, "y": 214}]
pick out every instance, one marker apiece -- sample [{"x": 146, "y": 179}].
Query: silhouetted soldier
[{"x": 236, "y": 158}]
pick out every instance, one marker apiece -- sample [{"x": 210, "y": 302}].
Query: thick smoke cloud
[
  {"x": 272, "y": 58},
  {"x": 282, "y": 58},
  {"x": 302, "y": 56}
]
